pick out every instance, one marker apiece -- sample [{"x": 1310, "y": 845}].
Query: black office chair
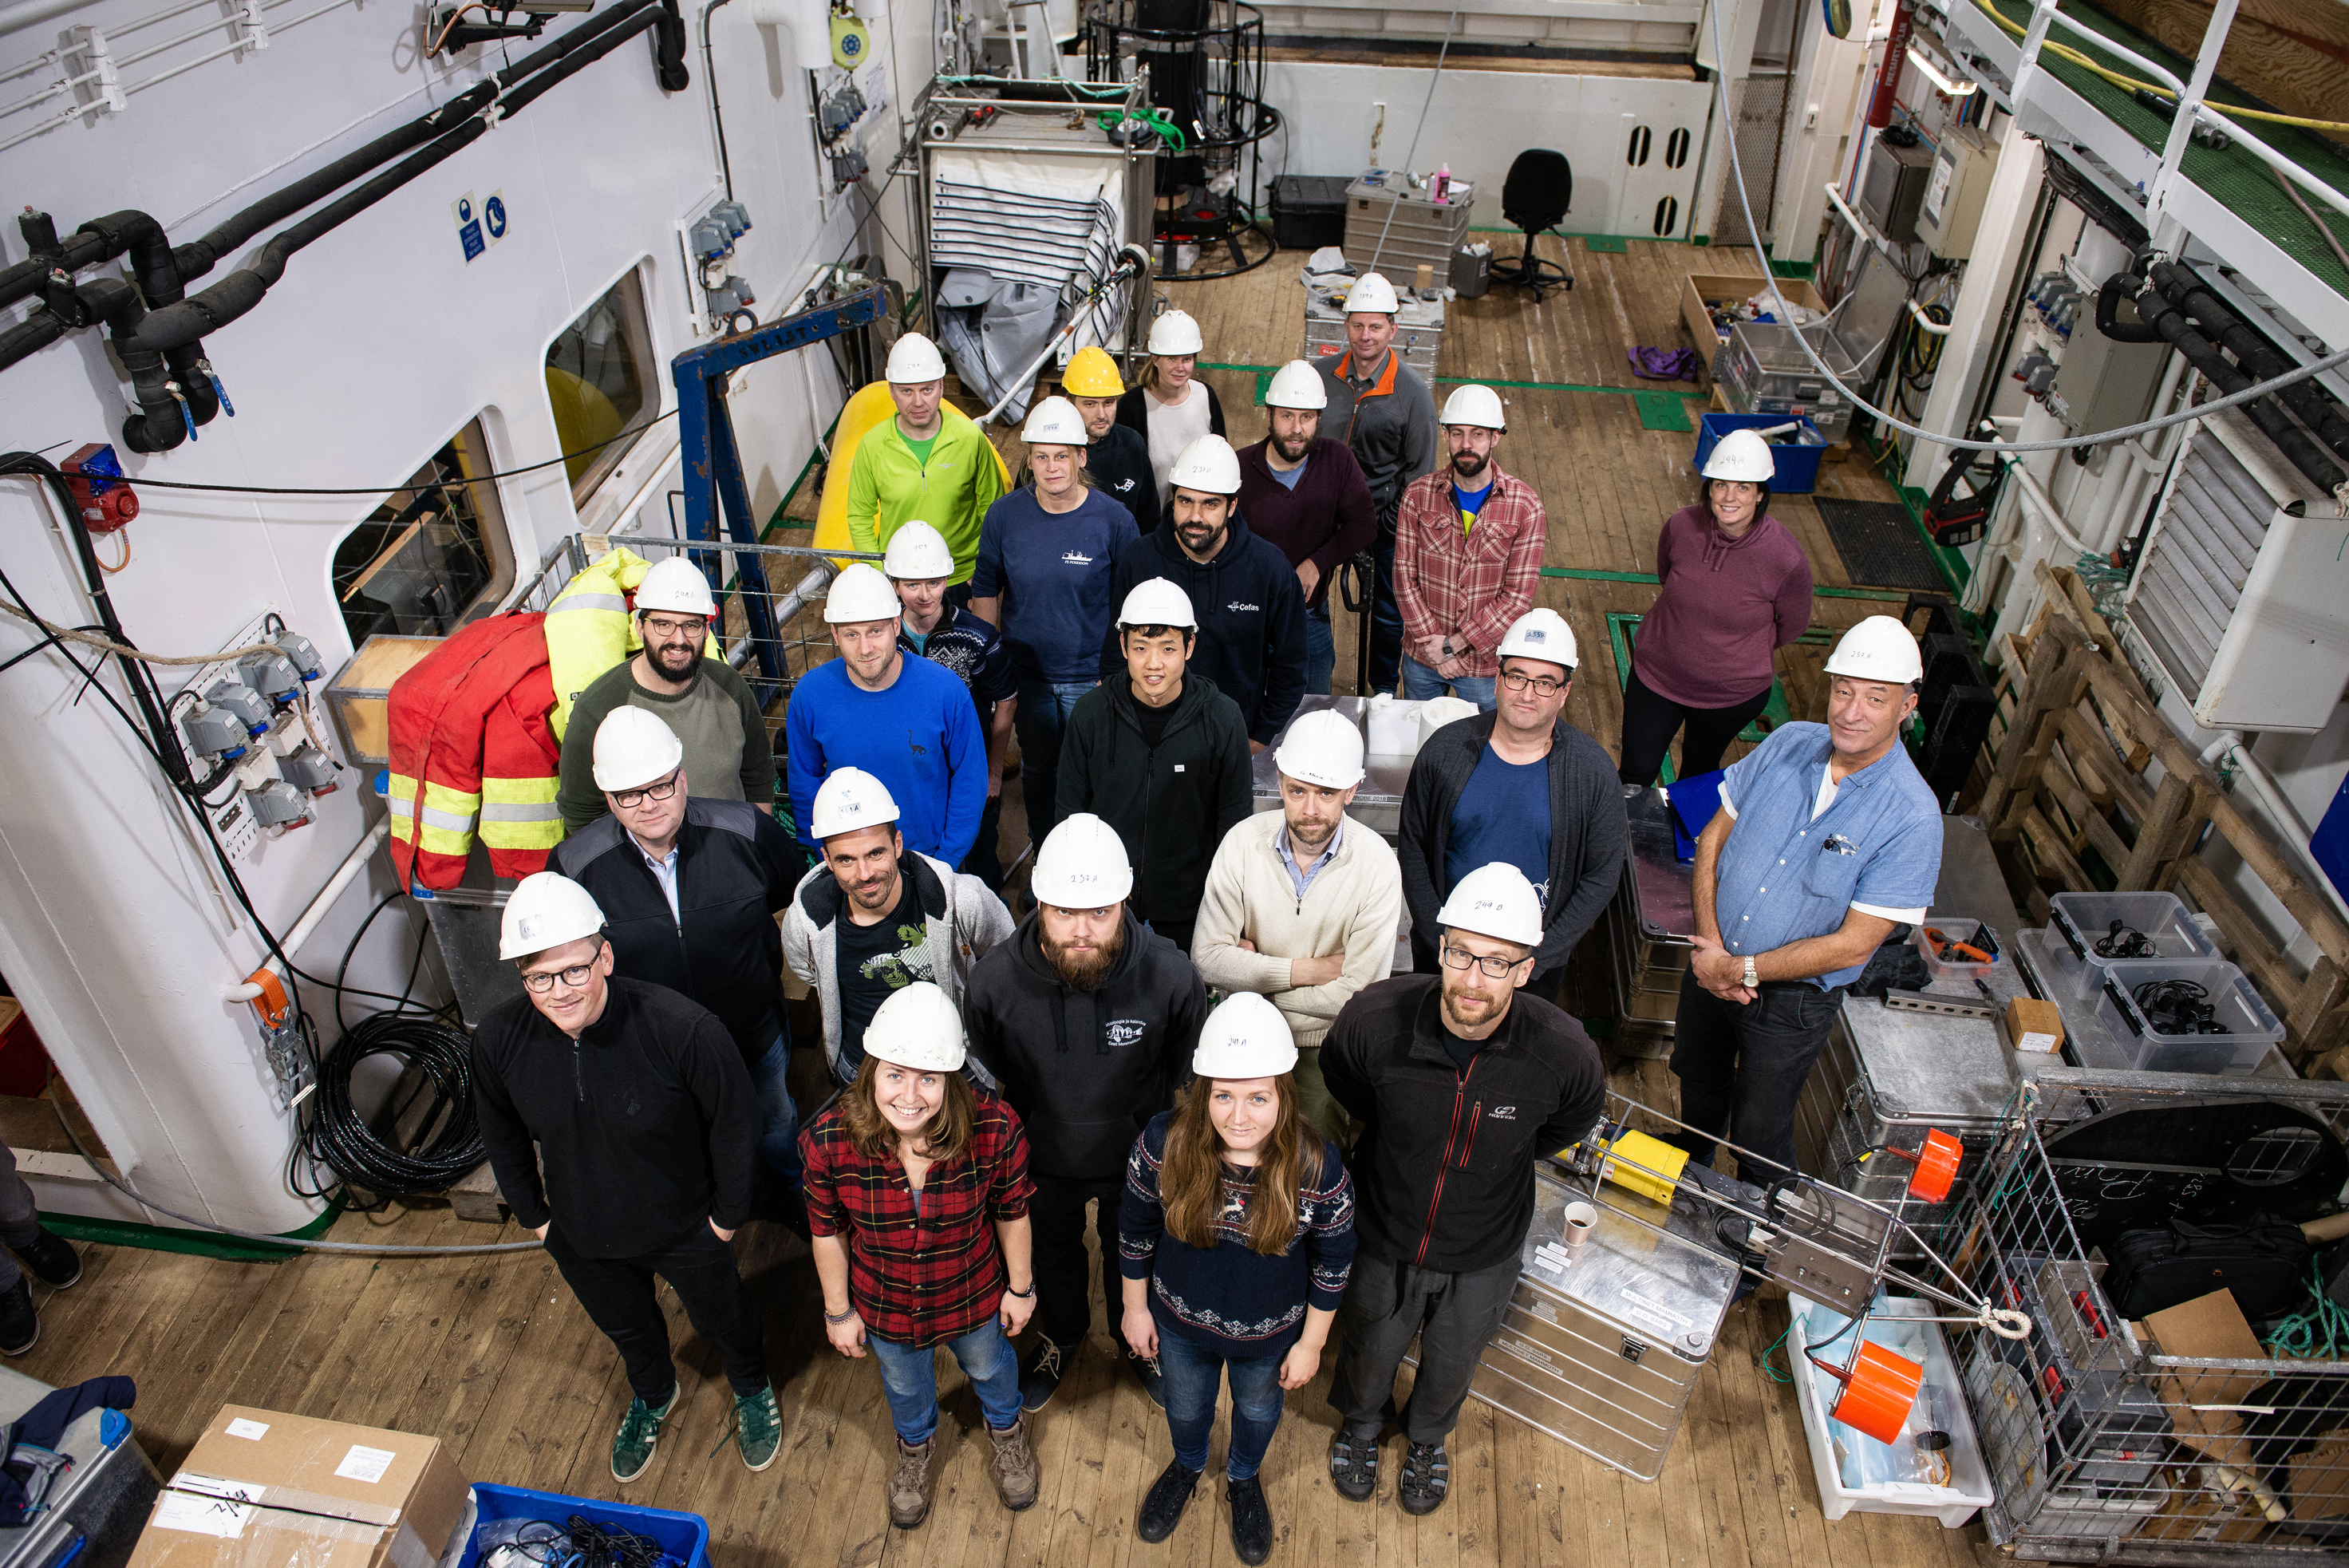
[{"x": 1539, "y": 193}]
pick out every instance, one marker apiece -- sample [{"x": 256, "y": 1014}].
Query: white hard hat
[
  {"x": 859, "y": 593},
  {"x": 545, "y": 910},
  {"x": 1156, "y": 602},
  {"x": 1244, "y": 1037},
  {"x": 847, "y": 800},
  {"x": 1540, "y": 634},
  {"x": 913, "y": 359},
  {"x": 1056, "y": 421},
  {"x": 1372, "y": 292},
  {"x": 1494, "y": 900},
  {"x": 1175, "y": 333},
  {"x": 1740, "y": 454},
  {"x": 674, "y": 585},
  {"x": 1474, "y": 405},
  {"x": 915, "y": 1026},
  {"x": 1877, "y": 648},
  {"x": 1297, "y": 385},
  {"x": 1323, "y": 748},
  {"x": 916, "y": 551},
  {"x": 633, "y": 748},
  {"x": 1209, "y": 465},
  {"x": 1083, "y": 866}
]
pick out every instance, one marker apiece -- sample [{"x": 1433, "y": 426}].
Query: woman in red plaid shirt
[{"x": 917, "y": 1205}]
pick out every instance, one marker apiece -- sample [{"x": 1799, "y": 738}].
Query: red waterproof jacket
[{"x": 470, "y": 744}]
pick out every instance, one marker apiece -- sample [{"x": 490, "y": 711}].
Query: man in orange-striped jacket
[{"x": 470, "y": 744}]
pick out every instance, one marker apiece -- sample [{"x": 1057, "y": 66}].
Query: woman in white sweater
[{"x": 1304, "y": 905}]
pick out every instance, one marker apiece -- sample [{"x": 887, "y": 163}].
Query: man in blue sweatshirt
[
  {"x": 906, "y": 721},
  {"x": 1045, "y": 553}
]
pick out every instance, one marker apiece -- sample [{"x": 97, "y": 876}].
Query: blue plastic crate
[
  {"x": 684, "y": 1536},
  {"x": 1798, "y": 464}
]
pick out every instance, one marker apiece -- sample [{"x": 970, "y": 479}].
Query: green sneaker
[
  {"x": 632, "y": 1450},
  {"x": 758, "y": 1428}
]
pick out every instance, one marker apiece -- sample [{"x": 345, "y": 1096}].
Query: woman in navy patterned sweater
[{"x": 1236, "y": 1233}]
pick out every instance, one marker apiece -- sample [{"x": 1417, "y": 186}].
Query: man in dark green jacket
[{"x": 1161, "y": 757}]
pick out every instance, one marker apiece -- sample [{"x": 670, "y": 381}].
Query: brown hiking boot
[
  {"x": 909, "y": 1489},
  {"x": 1017, "y": 1474}
]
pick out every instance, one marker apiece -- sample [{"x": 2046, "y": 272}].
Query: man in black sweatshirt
[
  {"x": 1162, "y": 756},
  {"x": 1461, "y": 1085},
  {"x": 1087, "y": 1023},
  {"x": 1250, "y": 606},
  {"x": 647, "y": 1129}
]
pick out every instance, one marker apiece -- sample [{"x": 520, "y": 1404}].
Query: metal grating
[{"x": 2201, "y": 552}]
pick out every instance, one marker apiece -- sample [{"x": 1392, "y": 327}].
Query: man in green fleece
[{"x": 930, "y": 462}]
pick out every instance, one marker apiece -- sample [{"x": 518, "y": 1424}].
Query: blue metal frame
[{"x": 714, "y": 481}]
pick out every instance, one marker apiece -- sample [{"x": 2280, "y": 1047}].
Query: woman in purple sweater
[{"x": 1736, "y": 589}]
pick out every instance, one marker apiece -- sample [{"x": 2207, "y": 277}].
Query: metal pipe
[
  {"x": 345, "y": 875},
  {"x": 2189, "y": 102},
  {"x": 33, "y": 13},
  {"x": 1926, "y": 322},
  {"x": 1131, "y": 259},
  {"x": 1859, "y": 224},
  {"x": 2036, "y": 493}
]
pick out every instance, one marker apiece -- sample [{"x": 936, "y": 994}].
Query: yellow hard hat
[{"x": 1092, "y": 373}]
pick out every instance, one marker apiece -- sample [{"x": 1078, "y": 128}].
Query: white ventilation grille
[{"x": 2209, "y": 534}]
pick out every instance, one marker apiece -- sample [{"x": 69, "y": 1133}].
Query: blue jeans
[
  {"x": 1041, "y": 719},
  {"x": 1420, "y": 683},
  {"x": 1321, "y": 651},
  {"x": 779, "y": 1117},
  {"x": 1193, "y": 1373},
  {"x": 1386, "y": 619},
  {"x": 910, "y": 1378}
]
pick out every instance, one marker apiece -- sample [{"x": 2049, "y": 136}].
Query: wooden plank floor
[{"x": 494, "y": 1356}]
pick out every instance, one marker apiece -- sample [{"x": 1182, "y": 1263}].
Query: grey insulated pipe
[{"x": 2315, "y": 408}]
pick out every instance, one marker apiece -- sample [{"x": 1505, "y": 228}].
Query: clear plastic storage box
[
  {"x": 2076, "y": 922},
  {"x": 2248, "y": 1026},
  {"x": 1960, "y": 970}
]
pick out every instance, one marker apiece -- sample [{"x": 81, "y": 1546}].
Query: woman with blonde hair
[
  {"x": 1235, "y": 1234},
  {"x": 917, "y": 1210},
  {"x": 1171, "y": 407}
]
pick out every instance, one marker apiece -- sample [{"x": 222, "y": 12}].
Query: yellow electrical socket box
[{"x": 1646, "y": 1166}]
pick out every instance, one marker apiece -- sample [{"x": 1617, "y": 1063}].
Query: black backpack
[{"x": 2264, "y": 1264}]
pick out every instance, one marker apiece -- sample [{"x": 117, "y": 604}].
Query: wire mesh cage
[{"x": 2103, "y": 1443}]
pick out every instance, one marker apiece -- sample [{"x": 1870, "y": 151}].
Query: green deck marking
[
  {"x": 1263, "y": 374},
  {"x": 1605, "y": 244},
  {"x": 1663, "y": 410},
  {"x": 195, "y": 1243}
]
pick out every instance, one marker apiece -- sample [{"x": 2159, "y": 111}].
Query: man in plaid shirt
[{"x": 1468, "y": 553}]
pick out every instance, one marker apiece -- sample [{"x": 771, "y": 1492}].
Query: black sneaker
[
  {"x": 1354, "y": 1462},
  {"x": 1040, "y": 1378},
  {"x": 52, "y": 1259},
  {"x": 20, "y": 1325},
  {"x": 1426, "y": 1479},
  {"x": 1251, "y": 1521},
  {"x": 1153, "y": 1381},
  {"x": 1169, "y": 1494}
]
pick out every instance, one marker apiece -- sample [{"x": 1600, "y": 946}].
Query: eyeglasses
[
  {"x": 542, "y": 982},
  {"x": 1494, "y": 967},
  {"x": 667, "y": 626},
  {"x": 628, "y": 799},
  {"x": 1516, "y": 681}
]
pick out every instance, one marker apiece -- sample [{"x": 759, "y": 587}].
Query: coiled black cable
[{"x": 336, "y": 1136}]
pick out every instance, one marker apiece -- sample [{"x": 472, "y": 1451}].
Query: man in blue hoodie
[{"x": 1250, "y": 606}]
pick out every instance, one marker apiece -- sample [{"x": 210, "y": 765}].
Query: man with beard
[
  {"x": 1460, "y": 1085},
  {"x": 1250, "y": 604},
  {"x": 1088, "y": 1022},
  {"x": 1306, "y": 495},
  {"x": 874, "y": 919},
  {"x": 1468, "y": 555},
  {"x": 703, "y": 702}
]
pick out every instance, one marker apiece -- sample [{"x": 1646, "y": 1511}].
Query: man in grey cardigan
[
  {"x": 874, "y": 918},
  {"x": 1522, "y": 786}
]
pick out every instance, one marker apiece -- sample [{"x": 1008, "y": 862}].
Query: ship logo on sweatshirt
[
  {"x": 1072, "y": 558},
  {"x": 1126, "y": 1030}
]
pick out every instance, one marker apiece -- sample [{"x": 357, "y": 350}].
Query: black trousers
[
  {"x": 1742, "y": 1067},
  {"x": 1064, "y": 1279},
  {"x": 1651, "y": 719},
  {"x": 618, "y": 1294},
  {"x": 1387, "y": 1303}
]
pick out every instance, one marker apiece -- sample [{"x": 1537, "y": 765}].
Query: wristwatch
[{"x": 1752, "y": 977}]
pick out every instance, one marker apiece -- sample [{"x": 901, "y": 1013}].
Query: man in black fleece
[
  {"x": 1460, "y": 1085},
  {"x": 647, "y": 1129},
  {"x": 1250, "y": 606},
  {"x": 1087, "y": 1023},
  {"x": 1160, "y": 755}
]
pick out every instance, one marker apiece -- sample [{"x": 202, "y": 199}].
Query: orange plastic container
[
  {"x": 1878, "y": 1392},
  {"x": 1936, "y": 1167}
]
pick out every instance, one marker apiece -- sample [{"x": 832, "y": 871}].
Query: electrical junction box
[
  {"x": 1892, "y": 188},
  {"x": 1951, "y": 208},
  {"x": 2102, "y": 385}
]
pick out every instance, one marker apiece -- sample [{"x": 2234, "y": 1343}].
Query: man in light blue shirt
[{"x": 1826, "y": 839}]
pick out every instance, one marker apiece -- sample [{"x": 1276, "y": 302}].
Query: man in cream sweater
[{"x": 1302, "y": 905}]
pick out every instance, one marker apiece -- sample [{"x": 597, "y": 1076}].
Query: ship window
[
  {"x": 434, "y": 555},
  {"x": 604, "y": 384}
]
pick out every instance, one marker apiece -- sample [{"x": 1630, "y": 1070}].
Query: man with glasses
[
  {"x": 1522, "y": 786},
  {"x": 691, "y": 888},
  {"x": 1468, "y": 555},
  {"x": 704, "y": 703},
  {"x": 1461, "y": 1085},
  {"x": 623, "y": 1134}
]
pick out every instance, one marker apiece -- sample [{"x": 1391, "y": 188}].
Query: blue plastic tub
[
  {"x": 684, "y": 1536},
  {"x": 1798, "y": 464}
]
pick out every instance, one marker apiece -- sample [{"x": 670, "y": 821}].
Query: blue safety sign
[{"x": 469, "y": 225}]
